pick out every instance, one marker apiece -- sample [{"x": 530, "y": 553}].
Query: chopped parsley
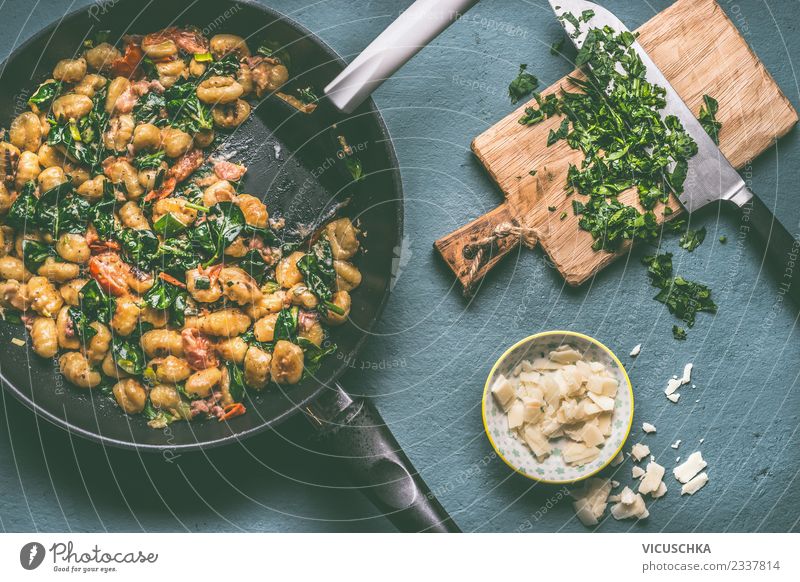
[
  {"x": 615, "y": 121},
  {"x": 692, "y": 239},
  {"x": 708, "y": 117},
  {"x": 678, "y": 332},
  {"x": 523, "y": 85},
  {"x": 684, "y": 299}
]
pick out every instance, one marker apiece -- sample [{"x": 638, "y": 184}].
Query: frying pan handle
[
  {"x": 405, "y": 37},
  {"x": 354, "y": 431}
]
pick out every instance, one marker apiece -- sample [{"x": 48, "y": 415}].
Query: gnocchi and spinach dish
[{"x": 129, "y": 251}]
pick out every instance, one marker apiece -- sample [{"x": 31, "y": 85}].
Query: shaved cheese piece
[
  {"x": 660, "y": 492},
  {"x": 565, "y": 355},
  {"x": 627, "y": 496},
  {"x": 674, "y": 397},
  {"x": 17, "y": 342},
  {"x": 672, "y": 385},
  {"x": 639, "y": 451},
  {"x": 544, "y": 364},
  {"x": 538, "y": 443},
  {"x": 676, "y": 444},
  {"x": 648, "y": 428},
  {"x": 689, "y": 468},
  {"x": 652, "y": 478},
  {"x": 618, "y": 460},
  {"x": 584, "y": 512},
  {"x": 687, "y": 373},
  {"x": 637, "y": 472},
  {"x": 503, "y": 392},
  {"x": 637, "y": 349},
  {"x": 591, "y": 435},
  {"x": 613, "y": 498},
  {"x": 630, "y": 505},
  {"x": 591, "y": 500},
  {"x": 605, "y": 403},
  {"x": 695, "y": 484},
  {"x": 531, "y": 410},
  {"x": 516, "y": 415},
  {"x": 579, "y": 454},
  {"x": 604, "y": 422}
]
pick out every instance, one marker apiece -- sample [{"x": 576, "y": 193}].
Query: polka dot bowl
[{"x": 514, "y": 452}]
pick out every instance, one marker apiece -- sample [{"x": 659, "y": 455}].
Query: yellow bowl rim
[{"x": 527, "y": 340}]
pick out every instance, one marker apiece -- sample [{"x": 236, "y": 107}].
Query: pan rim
[{"x": 398, "y": 193}]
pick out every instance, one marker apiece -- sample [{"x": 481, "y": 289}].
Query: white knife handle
[{"x": 405, "y": 37}]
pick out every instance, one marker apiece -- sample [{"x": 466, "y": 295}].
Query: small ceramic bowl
[{"x": 553, "y": 469}]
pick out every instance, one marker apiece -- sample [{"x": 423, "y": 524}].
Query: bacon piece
[
  {"x": 189, "y": 40},
  {"x": 110, "y": 272},
  {"x": 129, "y": 97},
  {"x": 69, "y": 327},
  {"x": 198, "y": 350},
  {"x": 268, "y": 74},
  {"x": 306, "y": 319},
  {"x": 128, "y": 64},
  {"x": 229, "y": 171},
  {"x": 183, "y": 168},
  {"x": 186, "y": 164}
]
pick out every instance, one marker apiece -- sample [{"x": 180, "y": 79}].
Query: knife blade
[{"x": 710, "y": 177}]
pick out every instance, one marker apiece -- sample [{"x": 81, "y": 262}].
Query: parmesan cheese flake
[{"x": 559, "y": 396}]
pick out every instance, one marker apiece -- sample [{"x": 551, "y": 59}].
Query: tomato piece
[{"x": 110, "y": 272}]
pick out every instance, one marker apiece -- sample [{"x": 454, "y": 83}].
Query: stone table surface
[{"x": 426, "y": 366}]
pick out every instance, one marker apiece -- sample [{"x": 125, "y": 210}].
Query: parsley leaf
[
  {"x": 684, "y": 299},
  {"x": 708, "y": 117},
  {"x": 523, "y": 85},
  {"x": 692, "y": 239}
]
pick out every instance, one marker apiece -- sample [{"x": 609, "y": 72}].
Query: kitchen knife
[{"x": 711, "y": 178}]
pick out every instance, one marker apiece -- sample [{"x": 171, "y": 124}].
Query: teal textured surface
[{"x": 427, "y": 364}]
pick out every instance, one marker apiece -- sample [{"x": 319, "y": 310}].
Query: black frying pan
[{"x": 292, "y": 162}]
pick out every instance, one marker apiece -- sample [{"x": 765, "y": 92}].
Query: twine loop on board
[{"x": 476, "y": 250}]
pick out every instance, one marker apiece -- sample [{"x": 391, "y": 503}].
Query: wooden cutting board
[{"x": 701, "y": 52}]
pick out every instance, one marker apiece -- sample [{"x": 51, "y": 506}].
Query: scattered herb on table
[
  {"x": 523, "y": 85},
  {"x": 692, "y": 239},
  {"x": 708, "y": 117},
  {"x": 723, "y": 239},
  {"x": 556, "y": 47},
  {"x": 684, "y": 299},
  {"x": 678, "y": 332}
]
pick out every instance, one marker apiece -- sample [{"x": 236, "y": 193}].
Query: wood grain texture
[{"x": 701, "y": 52}]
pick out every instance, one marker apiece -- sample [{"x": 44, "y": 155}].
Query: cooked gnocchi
[{"x": 131, "y": 253}]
